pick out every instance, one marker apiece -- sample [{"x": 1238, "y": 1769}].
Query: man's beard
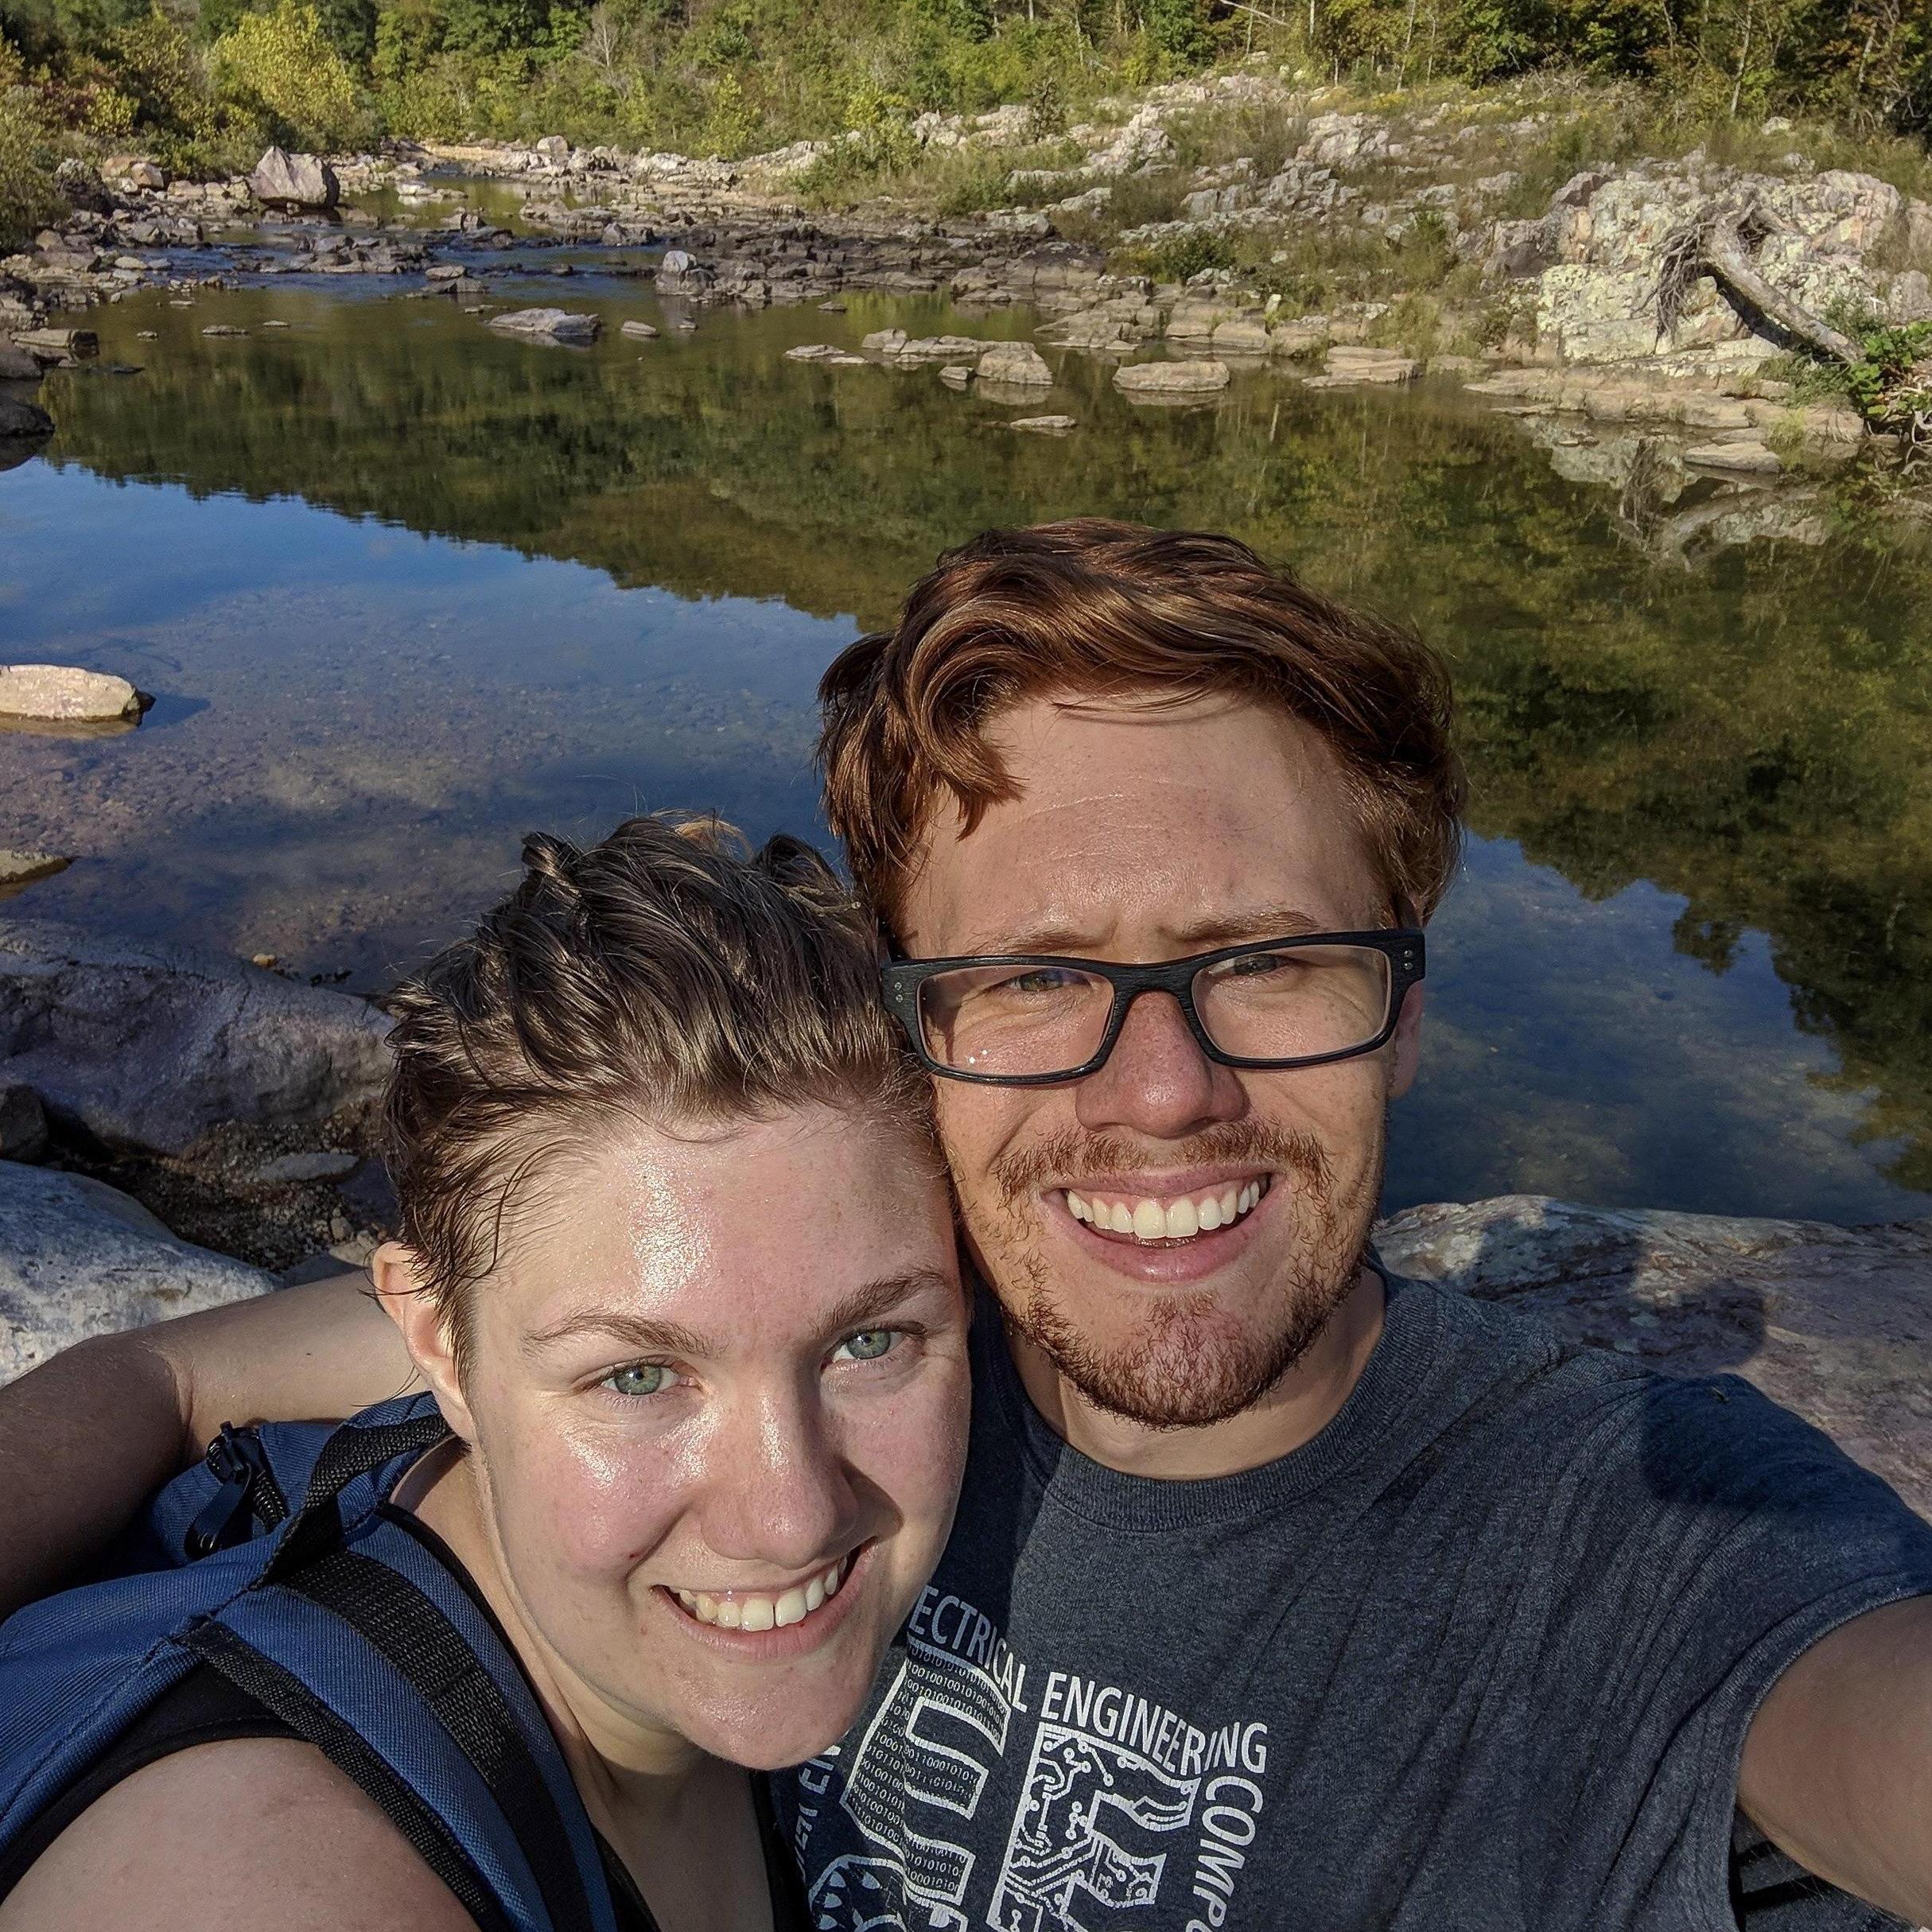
[{"x": 1186, "y": 1364}]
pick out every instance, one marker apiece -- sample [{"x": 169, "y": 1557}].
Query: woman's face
[{"x": 717, "y": 1396}]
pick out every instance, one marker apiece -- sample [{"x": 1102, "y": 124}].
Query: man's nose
[
  {"x": 778, "y": 1493},
  {"x": 1157, "y": 1081}
]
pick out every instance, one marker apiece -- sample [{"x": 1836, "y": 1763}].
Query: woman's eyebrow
[{"x": 862, "y": 1307}]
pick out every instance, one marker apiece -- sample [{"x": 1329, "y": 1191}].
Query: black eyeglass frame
[{"x": 901, "y": 979}]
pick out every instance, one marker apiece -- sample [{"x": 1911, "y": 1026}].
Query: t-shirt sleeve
[{"x": 1707, "y": 1539}]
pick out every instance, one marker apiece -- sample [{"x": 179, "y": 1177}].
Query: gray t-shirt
[{"x": 1479, "y": 1658}]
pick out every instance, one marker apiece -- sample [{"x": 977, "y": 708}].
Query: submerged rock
[
  {"x": 59, "y": 693},
  {"x": 19, "y": 869},
  {"x": 294, "y": 180},
  {"x": 1830, "y": 1321},
  {"x": 80, "y": 1258},
  {"x": 153, "y": 1046}
]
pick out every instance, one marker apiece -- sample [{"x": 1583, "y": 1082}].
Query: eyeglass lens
[{"x": 1300, "y": 1003}]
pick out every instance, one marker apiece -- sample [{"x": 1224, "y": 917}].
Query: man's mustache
[{"x": 1069, "y": 1156}]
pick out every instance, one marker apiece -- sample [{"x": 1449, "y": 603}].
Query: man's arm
[
  {"x": 1838, "y": 1764},
  {"x": 86, "y": 1438}
]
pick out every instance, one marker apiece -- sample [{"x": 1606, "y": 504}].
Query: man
[{"x": 1280, "y": 1594}]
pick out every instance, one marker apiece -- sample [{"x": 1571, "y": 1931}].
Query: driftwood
[{"x": 1720, "y": 241}]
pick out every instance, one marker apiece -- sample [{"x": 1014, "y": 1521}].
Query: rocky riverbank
[
  {"x": 1547, "y": 302},
  {"x": 233, "y": 1107}
]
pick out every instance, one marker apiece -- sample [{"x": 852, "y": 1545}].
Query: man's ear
[
  {"x": 1407, "y": 1042},
  {"x": 399, "y": 1289}
]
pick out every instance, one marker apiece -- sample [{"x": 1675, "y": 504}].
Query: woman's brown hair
[
  {"x": 1089, "y": 608},
  {"x": 665, "y": 974}
]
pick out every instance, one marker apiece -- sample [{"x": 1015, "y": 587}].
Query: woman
[{"x": 676, "y": 1264}]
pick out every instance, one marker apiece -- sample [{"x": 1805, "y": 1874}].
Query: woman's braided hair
[{"x": 668, "y": 973}]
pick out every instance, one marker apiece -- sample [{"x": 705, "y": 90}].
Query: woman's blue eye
[
  {"x": 869, "y": 1344},
  {"x": 638, "y": 1379}
]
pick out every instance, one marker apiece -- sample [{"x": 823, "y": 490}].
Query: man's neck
[{"x": 1295, "y": 1411}]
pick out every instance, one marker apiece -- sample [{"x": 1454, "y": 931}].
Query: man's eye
[
  {"x": 1039, "y": 979},
  {"x": 869, "y": 1344},
  {"x": 638, "y": 1379}
]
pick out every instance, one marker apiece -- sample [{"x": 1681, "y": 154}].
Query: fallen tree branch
[{"x": 1720, "y": 243}]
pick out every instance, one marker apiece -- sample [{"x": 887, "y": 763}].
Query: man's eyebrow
[
  {"x": 862, "y": 1307},
  {"x": 1277, "y": 921}
]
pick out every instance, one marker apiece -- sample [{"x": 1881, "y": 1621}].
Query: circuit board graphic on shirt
[{"x": 991, "y": 1790}]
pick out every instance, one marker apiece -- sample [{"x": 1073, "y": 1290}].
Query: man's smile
[{"x": 1182, "y": 1214}]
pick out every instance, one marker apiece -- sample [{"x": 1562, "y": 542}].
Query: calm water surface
[{"x": 405, "y": 590}]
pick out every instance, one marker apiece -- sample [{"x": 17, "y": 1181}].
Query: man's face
[{"x": 1144, "y": 833}]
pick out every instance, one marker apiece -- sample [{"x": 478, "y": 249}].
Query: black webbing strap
[
  {"x": 412, "y": 1632},
  {"x": 298, "y": 1707},
  {"x": 351, "y": 1452}
]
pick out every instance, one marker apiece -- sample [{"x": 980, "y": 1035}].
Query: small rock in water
[
  {"x": 321, "y": 1165},
  {"x": 264, "y": 960},
  {"x": 274, "y": 324},
  {"x": 147, "y": 334},
  {"x": 640, "y": 332},
  {"x": 1046, "y": 425},
  {"x": 811, "y": 351},
  {"x": 64, "y": 695},
  {"x": 223, "y": 328},
  {"x": 686, "y": 322},
  {"x": 22, "y": 867},
  {"x": 1157, "y": 378},
  {"x": 17, "y": 364},
  {"x": 1015, "y": 361},
  {"x": 955, "y": 375},
  {"x": 23, "y": 1123},
  {"x": 834, "y": 307},
  {"x": 445, "y": 271},
  {"x": 549, "y": 324}
]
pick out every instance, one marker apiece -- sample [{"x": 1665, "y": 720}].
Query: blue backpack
[{"x": 339, "y": 1618}]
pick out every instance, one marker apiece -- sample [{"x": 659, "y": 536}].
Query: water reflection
[{"x": 1688, "y": 966}]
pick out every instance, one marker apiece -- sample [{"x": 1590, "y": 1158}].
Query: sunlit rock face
[
  {"x": 1829, "y": 1321},
  {"x": 79, "y": 1258}
]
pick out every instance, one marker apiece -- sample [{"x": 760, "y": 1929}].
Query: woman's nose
[{"x": 778, "y": 1493}]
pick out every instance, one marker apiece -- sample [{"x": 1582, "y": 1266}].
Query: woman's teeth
[
  {"x": 1178, "y": 1219},
  {"x": 755, "y": 1609}
]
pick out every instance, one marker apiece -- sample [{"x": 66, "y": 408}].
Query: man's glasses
[{"x": 1031, "y": 1019}]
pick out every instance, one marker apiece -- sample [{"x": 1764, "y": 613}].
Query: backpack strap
[{"x": 362, "y": 1640}]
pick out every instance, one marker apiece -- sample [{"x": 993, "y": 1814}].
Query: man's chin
[{"x": 1186, "y": 1362}]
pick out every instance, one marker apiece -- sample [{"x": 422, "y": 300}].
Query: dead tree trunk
[{"x": 1720, "y": 243}]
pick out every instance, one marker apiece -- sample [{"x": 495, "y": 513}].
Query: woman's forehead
[{"x": 760, "y": 1219}]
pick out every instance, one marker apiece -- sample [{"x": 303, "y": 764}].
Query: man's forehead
[{"x": 1169, "y": 821}]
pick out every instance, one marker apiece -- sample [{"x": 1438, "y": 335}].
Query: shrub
[
  {"x": 281, "y": 66},
  {"x": 29, "y": 198}
]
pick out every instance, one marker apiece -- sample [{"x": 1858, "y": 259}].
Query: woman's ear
[{"x": 408, "y": 1304}]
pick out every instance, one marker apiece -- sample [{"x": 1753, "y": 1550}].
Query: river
[{"x": 404, "y": 589}]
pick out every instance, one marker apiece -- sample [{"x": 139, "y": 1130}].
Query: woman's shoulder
[{"x": 243, "y": 1833}]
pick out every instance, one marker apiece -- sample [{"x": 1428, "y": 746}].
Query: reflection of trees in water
[{"x": 1752, "y": 735}]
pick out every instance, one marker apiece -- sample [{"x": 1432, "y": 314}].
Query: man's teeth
[
  {"x": 756, "y": 1610},
  {"x": 1186, "y": 1215}
]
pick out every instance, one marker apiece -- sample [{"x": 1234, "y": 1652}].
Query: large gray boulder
[
  {"x": 294, "y": 180},
  {"x": 1171, "y": 379},
  {"x": 1829, "y": 1321},
  {"x": 78, "y": 1259},
  {"x": 151, "y": 1046}
]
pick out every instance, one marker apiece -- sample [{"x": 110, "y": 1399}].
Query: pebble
[{"x": 321, "y": 1164}]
